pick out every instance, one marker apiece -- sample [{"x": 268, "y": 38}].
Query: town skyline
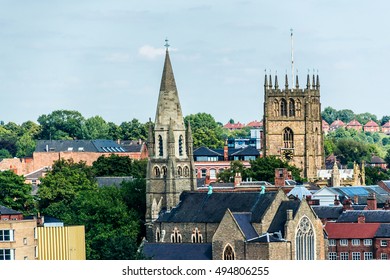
[{"x": 105, "y": 59}]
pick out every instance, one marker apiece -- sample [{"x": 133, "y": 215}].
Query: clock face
[{"x": 287, "y": 155}]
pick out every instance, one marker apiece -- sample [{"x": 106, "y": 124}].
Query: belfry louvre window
[
  {"x": 196, "y": 236},
  {"x": 304, "y": 240},
  {"x": 160, "y": 146},
  {"x": 181, "y": 145},
  {"x": 288, "y": 138},
  {"x": 176, "y": 236},
  {"x": 228, "y": 253},
  {"x": 291, "y": 108},
  {"x": 283, "y": 108}
]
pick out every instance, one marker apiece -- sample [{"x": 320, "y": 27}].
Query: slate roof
[
  {"x": 299, "y": 191},
  {"x": 97, "y": 146},
  {"x": 37, "y": 173},
  {"x": 244, "y": 222},
  {"x": 178, "y": 251},
  {"x": 247, "y": 151},
  {"x": 8, "y": 211},
  {"x": 265, "y": 238},
  {"x": 280, "y": 217},
  {"x": 328, "y": 212},
  {"x": 371, "y": 216},
  {"x": 199, "y": 207},
  {"x": 383, "y": 231},
  {"x": 351, "y": 230},
  {"x": 132, "y": 146},
  {"x": 110, "y": 181},
  {"x": 204, "y": 151}
]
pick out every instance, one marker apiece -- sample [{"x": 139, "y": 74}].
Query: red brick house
[
  {"x": 234, "y": 126},
  {"x": 371, "y": 126},
  {"x": 336, "y": 124},
  {"x": 325, "y": 127},
  {"x": 386, "y": 128},
  {"x": 354, "y": 124}
]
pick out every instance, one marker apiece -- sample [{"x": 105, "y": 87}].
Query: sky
[{"x": 105, "y": 58}]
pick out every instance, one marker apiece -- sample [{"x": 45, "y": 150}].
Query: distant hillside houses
[{"x": 370, "y": 126}]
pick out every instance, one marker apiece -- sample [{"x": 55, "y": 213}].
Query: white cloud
[{"x": 151, "y": 52}]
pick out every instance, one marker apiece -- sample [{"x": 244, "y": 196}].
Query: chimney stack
[{"x": 371, "y": 201}]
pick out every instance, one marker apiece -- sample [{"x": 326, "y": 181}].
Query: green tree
[
  {"x": 4, "y": 153},
  {"x": 205, "y": 130},
  {"x": 329, "y": 114},
  {"x": 112, "y": 166},
  {"x": 133, "y": 130},
  {"x": 62, "y": 124},
  {"x": 263, "y": 169},
  {"x": 366, "y": 117},
  {"x": 345, "y": 115},
  {"x": 387, "y": 158},
  {"x": 349, "y": 150},
  {"x": 64, "y": 182},
  {"x": 25, "y": 145},
  {"x": 15, "y": 193},
  {"x": 96, "y": 128},
  {"x": 375, "y": 174},
  {"x": 8, "y": 139},
  {"x": 227, "y": 175},
  {"x": 384, "y": 120}
]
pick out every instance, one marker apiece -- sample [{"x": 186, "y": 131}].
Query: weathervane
[{"x": 166, "y": 43}]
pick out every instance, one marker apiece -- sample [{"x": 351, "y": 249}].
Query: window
[
  {"x": 164, "y": 171},
  {"x": 367, "y": 242},
  {"x": 355, "y": 256},
  {"x": 332, "y": 242},
  {"x": 283, "y": 108},
  {"x": 213, "y": 174},
  {"x": 176, "y": 236},
  {"x": 343, "y": 242},
  {"x": 228, "y": 253},
  {"x": 180, "y": 145},
  {"x": 304, "y": 240},
  {"x": 160, "y": 146},
  {"x": 158, "y": 235},
  {"x": 186, "y": 171},
  {"x": 7, "y": 254},
  {"x": 332, "y": 256},
  {"x": 196, "y": 236},
  {"x": 24, "y": 241},
  {"x": 288, "y": 138},
  {"x": 35, "y": 233},
  {"x": 344, "y": 256},
  {"x": 7, "y": 235},
  {"x": 204, "y": 172},
  {"x": 179, "y": 171},
  {"x": 36, "y": 251},
  {"x": 383, "y": 243},
  {"x": 384, "y": 256},
  {"x": 355, "y": 242},
  {"x": 368, "y": 255},
  {"x": 156, "y": 171},
  {"x": 291, "y": 108}
]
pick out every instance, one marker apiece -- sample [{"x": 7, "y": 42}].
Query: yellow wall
[{"x": 61, "y": 243}]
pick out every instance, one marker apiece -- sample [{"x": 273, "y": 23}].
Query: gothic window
[
  {"x": 181, "y": 145},
  {"x": 186, "y": 171},
  {"x": 176, "y": 236},
  {"x": 158, "y": 235},
  {"x": 156, "y": 171},
  {"x": 304, "y": 240},
  {"x": 164, "y": 171},
  {"x": 179, "y": 171},
  {"x": 276, "y": 108},
  {"x": 288, "y": 138},
  {"x": 283, "y": 108},
  {"x": 291, "y": 108},
  {"x": 228, "y": 253},
  {"x": 196, "y": 236},
  {"x": 160, "y": 146},
  {"x": 298, "y": 108}
]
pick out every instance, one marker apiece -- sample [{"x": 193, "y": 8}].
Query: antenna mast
[{"x": 292, "y": 58}]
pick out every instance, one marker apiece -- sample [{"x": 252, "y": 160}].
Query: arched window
[
  {"x": 291, "y": 108},
  {"x": 228, "y": 253},
  {"x": 288, "y": 138},
  {"x": 196, "y": 236},
  {"x": 156, "y": 171},
  {"x": 160, "y": 146},
  {"x": 158, "y": 235},
  {"x": 176, "y": 236},
  {"x": 179, "y": 171},
  {"x": 283, "y": 108},
  {"x": 304, "y": 240},
  {"x": 298, "y": 108},
  {"x": 276, "y": 108},
  {"x": 180, "y": 145},
  {"x": 186, "y": 171},
  {"x": 164, "y": 171}
]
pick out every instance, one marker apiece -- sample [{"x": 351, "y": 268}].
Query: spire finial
[
  {"x": 292, "y": 58},
  {"x": 166, "y": 44}
]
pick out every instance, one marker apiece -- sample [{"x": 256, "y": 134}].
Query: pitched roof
[
  {"x": 337, "y": 123},
  {"x": 97, "y": 146},
  {"x": 178, "y": 251},
  {"x": 204, "y": 151},
  {"x": 280, "y": 217},
  {"x": 354, "y": 123},
  {"x": 383, "y": 231},
  {"x": 8, "y": 211},
  {"x": 371, "y": 123},
  {"x": 199, "y": 207},
  {"x": 112, "y": 181},
  {"x": 386, "y": 125},
  {"x": 377, "y": 160},
  {"x": 244, "y": 222},
  {"x": 255, "y": 123},
  {"x": 351, "y": 230},
  {"x": 247, "y": 151},
  {"x": 328, "y": 212},
  {"x": 234, "y": 125},
  {"x": 371, "y": 216}
]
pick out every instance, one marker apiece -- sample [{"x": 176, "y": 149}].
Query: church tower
[
  {"x": 293, "y": 124},
  {"x": 170, "y": 169}
]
